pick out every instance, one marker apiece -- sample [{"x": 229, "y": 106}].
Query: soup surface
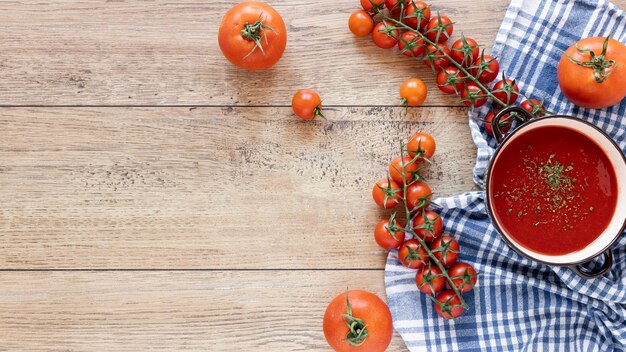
[{"x": 553, "y": 190}]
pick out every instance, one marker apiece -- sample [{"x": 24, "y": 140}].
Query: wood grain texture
[
  {"x": 207, "y": 187},
  {"x": 159, "y": 52},
  {"x": 172, "y": 311}
]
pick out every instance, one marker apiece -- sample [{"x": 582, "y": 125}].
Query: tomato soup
[{"x": 553, "y": 190}]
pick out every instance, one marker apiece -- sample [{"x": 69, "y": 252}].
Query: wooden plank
[
  {"x": 173, "y": 311},
  {"x": 159, "y": 52},
  {"x": 207, "y": 187}
]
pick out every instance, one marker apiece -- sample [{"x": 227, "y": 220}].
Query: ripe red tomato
[
  {"x": 412, "y": 255},
  {"x": 422, "y": 145},
  {"x": 450, "y": 80},
  {"x": 430, "y": 280},
  {"x": 445, "y": 249},
  {"x": 504, "y": 124},
  {"x": 395, "y": 170},
  {"x": 360, "y": 23},
  {"x": 471, "y": 93},
  {"x": 534, "y": 107},
  {"x": 507, "y": 91},
  {"x": 485, "y": 69},
  {"x": 417, "y": 14},
  {"x": 434, "y": 57},
  {"x": 353, "y": 311},
  {"x": 463, "y": 276},
  {"x": 389, "y": 234},
  {"x": 439, "y": 29},
  {"x": 418, "y": 195},
  {"x": 413, "y": 92},
  {"x": 307, "y": 104},
  {"x": 381, "y": 37},
  {"x": 252, "y": 35},
  {"x": 596, "y": 81},
  {"x": 370, "y": 4},
  {"x": 427, "y": 225},
  {"x": 448, "y": 305},
  {"x": 387, "y": 193},
  {"x": 465, "y": 51},
  {"x": 395, "y": 6},
  {"x": 411, "y": 44}
]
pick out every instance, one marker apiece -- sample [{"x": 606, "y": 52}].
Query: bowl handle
[
  {"x": 590, "y": 274},
  {"x": 522, "y": 117}
]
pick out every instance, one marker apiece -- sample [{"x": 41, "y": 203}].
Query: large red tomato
[
  {"x": 592, "y": 73},
  {"x": 252, "y": 35},
  {"x": 361, "y": 310}
]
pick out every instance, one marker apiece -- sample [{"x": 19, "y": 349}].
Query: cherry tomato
[
  {"x": 448, "y": 305},
  {"x": 464, "y": 51},
  {"x": 418, "y": 195},
  {"x": 450, "y": 80},
  {"x": 439, "y": 29},
  {"x": 505, "y": 123},
  {"x": 485, "y": 69},
  {"x": 417, "y": 14},
  {"x": 307, "y": 104},
  {"x": 445, "y": 249},
  {"x": 382, "y": 39},
  {"x": 412, "y": 255},
  {"x": 427, "y": 225},
  {"x": 596, "y": 82},
  {"x": 395, "y": 6},
  {"x": 252, "y": 35},
  {"x": 413, "y": 43},
  {"x": 370, "y": 4},
  {"x": 386, "y": 193},
  {"x": 413, "y": 92},
  {"x": 395, "y": 170},
  {"x": 389, "y": 234},
  {"x": 434, "y": 57},
  {"x": 471, "y": 93},
  {"x": 463, "y": 276},
  {"x": 422, "y": 145},
  {"x": 534, "y": 107},
  {"x": 360, "y": 23},
  {"x": 430, "y": 280},
  {"x": 362, "y": 310},
  {"x": 506, "y": 91}
]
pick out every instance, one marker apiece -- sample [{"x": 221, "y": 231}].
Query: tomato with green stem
[
  {"x": 430, "y": 279},
  {"x": 473, "y": 96},
  {"x": 411, "y": 44},
  {"x": 396, "y": 6},
  {"x": 506, "y": 90},
  {"x": 307, "y": 104},
  {"x": 464, "y": 51},
  {"x": 252, "y": 35},
  {"x": 372, "y": 5},
  {"x": 389, "y": 234},
  {"x": 385, "y": 36},
  {"x": 427, "y": 225},
  {"x": 412, "y": 254},
  {"x": 504, "y": 123},
  {"x": 439, "y": 29},
  {"x": 450, "y": 80},
  {"x": 360, "y": 23},
  {"x": 358, "y": 321},
  {"x": 387, "y": 193},
  {"x": 422, "y": 146},
  {"x": 534, "y": 107},
  {"x": 413, "y": 92},
  {"x": 435, "y": 58},
  {"x": 410, "y": 173},
  {"x": 445, "y": 249},
  {"x": 448, "y": 305},
  {"x": 418, "y": 195},
  {"x": 417, "y": 14},
  {"x": 463, "y": 276},
  {"x": 485, "y": 69}
]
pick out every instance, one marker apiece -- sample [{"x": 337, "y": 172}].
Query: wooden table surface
[{"x": 154, "y": 197}]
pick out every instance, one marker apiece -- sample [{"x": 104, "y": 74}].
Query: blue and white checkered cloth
[{"x": 523, "y": 305}]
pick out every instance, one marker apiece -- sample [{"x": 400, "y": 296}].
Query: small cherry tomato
[
  {"x": 445, "y": 249},
  {"x": 427, "y": 225},
  {"x": 434, "y": 57},
  {"x": 448, "y": 305},
  {"x": 386, "y": 193},
  {"x": 504, "y": 124},
  {"x": 430, "y": 280},
  {"x": 411, "y": 44},
  {"x": 418, "y": 195},
  {"x": 382, "y": 38},
  {"x": 473, "y": 95},
  {"x": 485, "y": 68},
  {"x": 450, "y": 80},
  {"x": 413, "y": 92},
  {"x": 395, "y": 6},
  {"x": 417, "y": 14},
  {"x": 412, "y": 255},
  {"x": 463, "y": 276},
  {"x": 439, "y": 29},
  {"x": 370, "y": 4},
  {"x": 410, "y": 169},
  {"x": 534, "y": 107},
  {"x": 307, "y": 104},
  {"x": 506, "y": 90},
  {"x": 464, "y": 51},
  {"x": 422, "y": 145},
  {"x": 389, "y": 234},
  {"x": 360, "y": 23}
]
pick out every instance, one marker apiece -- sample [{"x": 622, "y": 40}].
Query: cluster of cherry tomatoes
[
  {"x": 430, "y": 250},
  {"x": 461, "y": 69}
]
